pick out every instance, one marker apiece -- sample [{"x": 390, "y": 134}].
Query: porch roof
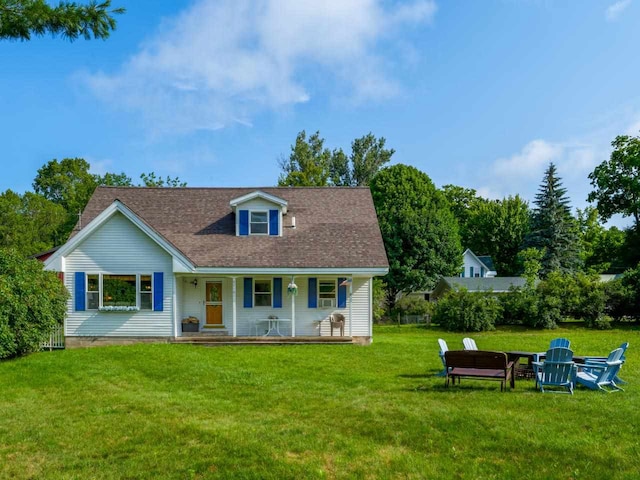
[{"x": 335, "y": 227}]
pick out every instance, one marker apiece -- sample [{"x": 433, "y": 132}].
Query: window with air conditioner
[{"x": 327, "y": 293}]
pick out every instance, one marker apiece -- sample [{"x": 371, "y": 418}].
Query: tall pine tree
[{"x": 553, "y": 230}]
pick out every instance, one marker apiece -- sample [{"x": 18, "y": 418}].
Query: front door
[{"x": 213, "y": 304}]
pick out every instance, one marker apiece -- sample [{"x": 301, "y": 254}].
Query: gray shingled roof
[
  {"x": 480, "y": 284},
  {"x": 335, "y": 227},
  {"x": 488, "y": 262}
]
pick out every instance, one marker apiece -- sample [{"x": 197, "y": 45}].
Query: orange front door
[{"x": 213, "y": 303}]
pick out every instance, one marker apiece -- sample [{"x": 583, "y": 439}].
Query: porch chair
[
  {"x": 469, "y": 344},
  {"x": 557, "y": 370},
  {"x": 443, "y": 348},
  {"x": 598, "y": 375},
  {"x": 617, "y": 379},
  {"x": 337, "y": 321}
]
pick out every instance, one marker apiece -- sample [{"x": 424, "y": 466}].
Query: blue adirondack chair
[
  {"x": 617, "y": 379},
  {"x": 560, "y": 342},
  {"x": 555, "y": 343},
  {"x": 598, "y": 375},
  {"x": 443, "y": 348},
  {"x": 469, "y": 344},
  {"x": 557, "y": 370}
]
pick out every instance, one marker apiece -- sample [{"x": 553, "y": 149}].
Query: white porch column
[
  {"x": 293, "y": 312},
  {"x": 351, "y": 307},
  {"x": 174, "y": 302},
  {"x": 233, "y": 303}
]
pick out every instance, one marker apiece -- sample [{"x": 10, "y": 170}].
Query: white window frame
[
  {"x": 101, "y": 289},
  {"x": 251, "y": 232},
  {"x": 334, "y": 299},
  {"x": 256, "y": 280}
]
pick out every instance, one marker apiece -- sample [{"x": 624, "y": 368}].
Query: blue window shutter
[
  {"x": 277, "y": 293},
  {"x": 158, "y": 291},
  {"x": 273, "y": 222},
  {"x": 80, "y": 292},
  {"x": 313, "y": 293},
  {"x": 248, "y": 292},
  {"x": 243, "y": 222},
  {"x": 342, "y": 294},
  {"x": 482, "y": 272},
  {"x": 471, "y": 272}
]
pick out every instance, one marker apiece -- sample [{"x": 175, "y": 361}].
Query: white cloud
[
  {"x": 528, "y": 162},
  {"x": 222, "y": 61},
  {"x": 522, "y": 172},
  {"x": 614, "y": 11}
]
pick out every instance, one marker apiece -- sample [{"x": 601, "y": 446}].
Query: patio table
[
  {"x": 523, "y": 371},
  {"x": 274, "y": 325}
]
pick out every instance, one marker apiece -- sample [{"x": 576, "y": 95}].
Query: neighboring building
[
  {"x": 477, "y": 266},
  {"x": 229, "y": 258},
  {"x": 477, "y": 284}
]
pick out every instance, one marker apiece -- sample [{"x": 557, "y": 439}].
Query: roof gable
[
  {"x": 235, "y": 202},
  {"x": 181, "y": 262}
]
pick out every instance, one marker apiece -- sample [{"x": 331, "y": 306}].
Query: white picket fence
[{"x": 56, "y": 339}]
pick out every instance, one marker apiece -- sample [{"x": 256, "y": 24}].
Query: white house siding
[
  {"x": 306, "y": 317},
  {"x": 479, "y": 270},
  {"x": 118, "y": 246}
]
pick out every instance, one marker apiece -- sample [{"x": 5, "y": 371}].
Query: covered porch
[{"x": 267, "y": 308}]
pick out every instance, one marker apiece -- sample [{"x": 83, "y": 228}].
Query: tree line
[{"x": 425, "y": 229}]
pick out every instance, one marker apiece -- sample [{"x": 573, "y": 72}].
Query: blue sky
[{"x": 478, "y": 94}]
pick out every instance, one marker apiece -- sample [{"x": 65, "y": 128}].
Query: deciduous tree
[
  {"x": 616, "y": 181},
  {"x": 30, "y": 223},
  {"x": 419, "y": 231},
  {"x": 311, "y": 164}
]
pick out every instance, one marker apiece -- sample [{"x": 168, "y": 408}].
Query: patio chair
[
  {"x": 337, "y": 321},
  {"x": 557, "y": 370},
  {"x": 598, "y": 375},
  {"x": 443, "y": 348},
  {"x": 617, "y": 379},
  {"x": 469, "y": 344},
  {"x": 560, "y": 342},
  {"x": 555, "y": 343}
]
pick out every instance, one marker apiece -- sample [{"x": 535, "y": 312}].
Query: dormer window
[
  {"x": 259, "y": 213},
  {"x": 259, "y": 224}
]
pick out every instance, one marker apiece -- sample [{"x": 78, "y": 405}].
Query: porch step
[
  {"x": 217, "y": 340},
  {"x": 206, "y": 333}
]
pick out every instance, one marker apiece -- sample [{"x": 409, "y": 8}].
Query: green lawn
[{"x": 335, "y": 411}]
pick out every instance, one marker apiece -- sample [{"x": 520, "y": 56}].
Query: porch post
[
  {"x": 233, "y": 303},
  {"x": 351, "y": 307},
  {"x": 293, "y": 313},
  {"x": 174, "y": 305}
]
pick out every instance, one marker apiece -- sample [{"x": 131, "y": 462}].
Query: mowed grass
[{"x": 314, "y": 411}]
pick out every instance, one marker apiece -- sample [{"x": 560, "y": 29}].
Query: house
[
  {"x": 230, "y": 259},
  {"x": 477, "y": 284},
  {"x": 477, "y": 266}
]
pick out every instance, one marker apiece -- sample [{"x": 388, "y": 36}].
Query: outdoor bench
[{"x": 478, "y": 364}]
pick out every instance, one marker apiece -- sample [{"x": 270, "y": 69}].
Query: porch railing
[{"x": 56, "y": 339}]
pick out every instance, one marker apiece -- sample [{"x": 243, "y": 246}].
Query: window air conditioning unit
[{"x": 326, "y": 302}]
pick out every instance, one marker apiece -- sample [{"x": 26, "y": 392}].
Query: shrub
[
  {"x": 602, "y": 322},
  {"x": 467, "y": 312},
  {"x": 519, "y": 307},
  {"x": 32, "y": 303}
]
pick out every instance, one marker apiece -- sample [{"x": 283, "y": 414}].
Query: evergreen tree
[{"x": 553, "y": 230}]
